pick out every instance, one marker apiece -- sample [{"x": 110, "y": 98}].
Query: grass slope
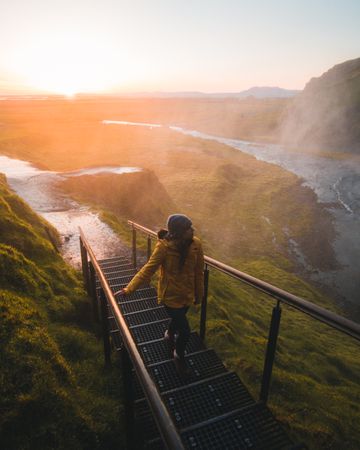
[
  {"x": 315, "y": 390},
  {"x": 246, "y": 211},
  {"x": 54, "y": 392}
]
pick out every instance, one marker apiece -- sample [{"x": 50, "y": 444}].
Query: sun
[{"x": 67, "y": 66}]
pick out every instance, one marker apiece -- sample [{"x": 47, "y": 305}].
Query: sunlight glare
[{"x": 68, "y": 66}]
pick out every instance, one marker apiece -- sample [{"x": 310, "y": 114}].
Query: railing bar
[
  {"x": 162, "y": 417},
  {"x": 341, "y": 323},
  {"x": 317, "y": 312}
]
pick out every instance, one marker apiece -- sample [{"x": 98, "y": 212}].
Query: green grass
[
  {"x": 54, "y": 391},
  {"x": 315, "y": 383},
  {"x": 315, "y": 389},
  {"x": 245, "y": 211}
]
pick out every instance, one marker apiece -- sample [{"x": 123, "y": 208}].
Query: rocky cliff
[{"x": 326, "y": 115}]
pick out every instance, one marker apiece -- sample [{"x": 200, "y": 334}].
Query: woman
[{"x": 179, "y": 256}]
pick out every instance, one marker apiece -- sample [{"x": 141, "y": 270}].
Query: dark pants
[{"x": 179, "y": 325}]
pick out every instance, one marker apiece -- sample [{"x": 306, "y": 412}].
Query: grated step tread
[
  {"x": 203, "y": 364},
  {"x": 150, "y": 331},
  {"x": 105, "y": 264},
  {"x": 250, "y": 428},
  {"x": 117, "y": 276},
  {"x": 146, "y": 316},
  {"x": 138, "y": 305},
  {"x": 141, "y": 294},
  {"x": 207, "y": 399},
  {"x": 120, "y": 283},
  {"x": 157, "y": 351}
]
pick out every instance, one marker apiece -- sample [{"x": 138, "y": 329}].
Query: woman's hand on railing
[{"x": 120, "y": 292}]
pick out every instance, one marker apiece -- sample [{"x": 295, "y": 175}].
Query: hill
[
  {"x": 256, "y": 91},
  {"x": 136, "y": 196},
  {"x": 267, "y": 92},
  {"x": 326, "y": 115},
  {"x": 53, "y": 391}
]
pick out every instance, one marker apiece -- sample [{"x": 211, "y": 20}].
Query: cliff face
[
  {"x": 326, "y": 115},
  {"x": 135, "y": 196}
]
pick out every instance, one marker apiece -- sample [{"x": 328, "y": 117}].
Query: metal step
[
  {"x": 139, "y": 294},
  {"x": 105, "y": 263},
  {"x": 159, "y": 350},
  {"x": 203, "y": 364},
  {"x": 117, "y": 276},
  {"x": 187, "y": 410},
  {"x": 119, "y": 284},
  {"x": 206, "y": 399},
  {"x": 150, "y": 331},
  {"x": 118, "y": 271},
  {"x": 211, "y": 408},
  {"x": 146, "y": 316},
  {"x": 115, "y": 266},
  {"x": 138, "y": 305},
  {"x": 249, "y": 428}
]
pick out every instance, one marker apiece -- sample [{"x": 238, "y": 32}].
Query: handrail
[
  {"x": 165, "y": 423},
  {"x": 317, "y": 312}
]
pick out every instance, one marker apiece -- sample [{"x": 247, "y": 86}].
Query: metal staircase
[{"x": 211, "y": 409}]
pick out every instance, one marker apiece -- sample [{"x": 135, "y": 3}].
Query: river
[
  {"x": 39, "y": 189},
  {"x": 335, "y": 182}
]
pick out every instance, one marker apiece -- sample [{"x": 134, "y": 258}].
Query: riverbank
[{"x": 40, "y": 189}]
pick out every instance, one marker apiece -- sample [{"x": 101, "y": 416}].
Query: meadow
[{"x": 245, "y": 211}]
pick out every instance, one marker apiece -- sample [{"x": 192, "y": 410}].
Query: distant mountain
[
  {"x": 262, "y": 92},
  {"x": 326, "y": 115},
  {"x": 256, "y": 92}
]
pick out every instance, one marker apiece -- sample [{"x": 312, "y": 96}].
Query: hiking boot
[
  {"x": 181, "y": 366},
  {"x": 170, "y": 339}
]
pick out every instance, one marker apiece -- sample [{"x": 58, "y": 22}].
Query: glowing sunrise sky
[{"x": 68, "y": 46}]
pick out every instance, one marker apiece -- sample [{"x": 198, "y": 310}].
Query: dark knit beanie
[{"x": 177, "y": 224}]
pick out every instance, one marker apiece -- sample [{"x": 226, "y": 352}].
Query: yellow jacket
[{"x": 175, "y": 288}]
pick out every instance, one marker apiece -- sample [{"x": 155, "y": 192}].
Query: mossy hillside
[
  {"x": 136, "y": 196},
  {"x": 191, "y": 172},
  {"x": 54, "y": 391},
  {"x": 315, "y": 387}
]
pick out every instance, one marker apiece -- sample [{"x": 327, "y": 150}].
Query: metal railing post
[
  {"x": 85, "y": 266},
  {"x": 95, "y": 304},
  {"x": 148, "y": 247},
  {"x": 134, "y": 247},
  {"x": 204, "y": 304},
  {"x": 105, "y": 328},
  {"x": 128, "y": 398},
  {"x": 270, "y": 352}
]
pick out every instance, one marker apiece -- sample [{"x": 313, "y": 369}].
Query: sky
[{"x": 69, "y": 46}]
